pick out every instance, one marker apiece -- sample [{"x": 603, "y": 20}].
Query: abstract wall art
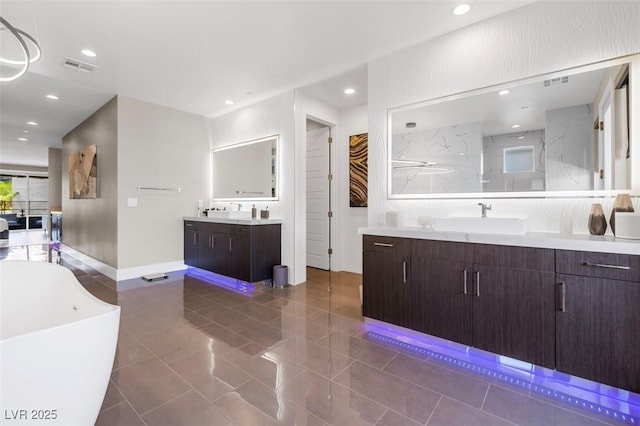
[
  {"x": 358, "y": 170},
  {"x": 83, "y": 173}
]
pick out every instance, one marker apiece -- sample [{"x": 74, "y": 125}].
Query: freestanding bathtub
[{"x": 57, "y": 346}]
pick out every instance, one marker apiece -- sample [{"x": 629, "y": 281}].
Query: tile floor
[{"x": 191, "y": 353}]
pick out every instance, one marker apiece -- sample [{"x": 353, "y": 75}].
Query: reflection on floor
[
  {"x": 192, "y": 353},
  {"x": 26, "y": 245}
]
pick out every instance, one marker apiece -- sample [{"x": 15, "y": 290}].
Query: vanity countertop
[
  {"x": 579, "y": 242},
  {"x": 235, "y": 221}
]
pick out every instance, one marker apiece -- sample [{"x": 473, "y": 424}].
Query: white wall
[
  {"x": 307, "y": 107},
  {"x": 266, "y": 118},
  {"x": 536, "y": 39},
  {"x": 353, "y": 121},
  {"x": 165, "y": 148}
]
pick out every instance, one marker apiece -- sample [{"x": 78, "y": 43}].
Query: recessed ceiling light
[
  {"x": 515, "y": 126},
  {"x": 52, "y": 97},
  {"x": 349, "y": 91},
  {"x": 32, "y": 123},
  {"x": 503, "y": 92},
  {"x": 23, "y": 139},
  {"x": 228, "y": 102},
  {"x": 520, "y": 137},
  {"x": 89, "y": 53},
  {"x": 25, "y": 131},
  {"x": 461, "y": 9}
]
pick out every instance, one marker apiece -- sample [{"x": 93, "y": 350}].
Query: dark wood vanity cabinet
[
  {"x": 244, "y": 252},
  {"x": 386, "y": 289},
  {"x": 598, "y": 317},
  {"x": 577, "y": 312}
]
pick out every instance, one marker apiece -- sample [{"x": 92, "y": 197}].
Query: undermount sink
[
  {"x": 480, "y": 225},
  {"x": 231, "y": 214}
]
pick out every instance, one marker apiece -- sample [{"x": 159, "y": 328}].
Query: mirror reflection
[
  {"x": 562, "y": 132},
  {"x": 247, "y": 170}
]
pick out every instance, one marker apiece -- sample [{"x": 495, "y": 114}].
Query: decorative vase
[
  {"x": 622, "y": 204},
  {"x": 597, "y": 221}
]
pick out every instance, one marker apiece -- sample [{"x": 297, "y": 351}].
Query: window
[{"x": 519, "y": 159}]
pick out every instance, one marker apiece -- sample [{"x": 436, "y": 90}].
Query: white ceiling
[{"x": 194, "y": 55}]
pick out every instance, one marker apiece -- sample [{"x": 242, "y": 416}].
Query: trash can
[{"x": 280, "y": 276}]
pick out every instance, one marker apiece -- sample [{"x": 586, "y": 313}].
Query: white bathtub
[{"x": 57, "y": 345}]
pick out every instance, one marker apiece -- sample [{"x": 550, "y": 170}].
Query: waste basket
[{"x": 280, "y": 276}]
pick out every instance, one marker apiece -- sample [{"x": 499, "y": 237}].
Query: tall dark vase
[
  {"x": 597, "y": 221},
  {"x": 622, "y": 204}
]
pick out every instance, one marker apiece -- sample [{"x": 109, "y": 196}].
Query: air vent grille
[
  {"x": 78, "y": 65},
  {"x": 558, "y": 80}
]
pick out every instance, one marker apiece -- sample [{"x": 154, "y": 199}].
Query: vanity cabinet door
[
  {"x": 386, "y": 280},
  {"x": 191, "y": 243},
  {"x": 441, "y": 282},
  {"x": 240, "y": 252},
  {"x": 514, "y": 302},
  {"x": 597, "y": 325}
]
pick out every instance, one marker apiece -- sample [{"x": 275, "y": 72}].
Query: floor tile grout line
[
  {"x": 433, "y": 411},
  {"x": 484, "y": 400},
  {"x": 167, "y": 401},
  {"x": 126, "y": 399}
]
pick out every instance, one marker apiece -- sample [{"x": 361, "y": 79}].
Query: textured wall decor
[
  {"x": 83, "y": 173},
  {"x": 358, "y": 170}
]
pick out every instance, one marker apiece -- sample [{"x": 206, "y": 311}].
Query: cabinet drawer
[
  {"x": 386, "y": 244},
  {"x": 536, "y": 259},
  {"x": 239, "y": 230},
  {"x": 623, "y": 267}
]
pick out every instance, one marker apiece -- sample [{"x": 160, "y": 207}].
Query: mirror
[
  {"x": 543, "y": 136},
  {"x": 245, "y": 171}
]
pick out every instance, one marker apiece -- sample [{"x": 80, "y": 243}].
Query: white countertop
[
  {"x": 579, "y": 242},
  {"x": 235, "y": 221}
]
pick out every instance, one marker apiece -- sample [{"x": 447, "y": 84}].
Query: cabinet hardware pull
[
  {"x": 195, "y": 239},
  {"x": 477, "y": 283},
  {"x": 602, "y": 265},
  {"x": 561, "y": 297},
  {"x": 383, "y": 244},
  {"x": 230, "y": 244},
  {"x": 209, "y": 240},
  {"x": 404, "y": 272},
  {"x": 213, "y": 241},
  {"x": 189, "y": 224},
  {"x": 464, "y": 283}
]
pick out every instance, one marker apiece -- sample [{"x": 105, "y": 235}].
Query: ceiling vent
[
  {"x": 78, "y": 65},
  {"x": 558, "y": 80}
]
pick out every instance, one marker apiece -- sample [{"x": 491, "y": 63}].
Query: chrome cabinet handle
[
  {"x": 230, "y": 244},
  {"x": 195, "y": 239},
  {"x": 383, "y": 244},
  {"x": 603, "y": 265},
  {"x": 561, "y": 300},
  {"x": 477, "y": 284},
  {"x": 464, "y": 283},
  {"x": 404, "y": 272}
]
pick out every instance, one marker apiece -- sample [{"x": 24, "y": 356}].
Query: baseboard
[
  {"x": 138, "y": 271},
  {"x": 123, "y": 273}
]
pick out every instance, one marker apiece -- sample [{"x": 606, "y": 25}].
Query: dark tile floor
[{"x": 191, "y": 353}]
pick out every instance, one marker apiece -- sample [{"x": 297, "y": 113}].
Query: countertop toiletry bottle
[{"x": 254, "y": 212}]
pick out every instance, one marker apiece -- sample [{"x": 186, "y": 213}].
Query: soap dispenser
[{"x": 254, "y": 212}]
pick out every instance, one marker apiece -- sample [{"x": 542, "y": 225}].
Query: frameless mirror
[
  {"x": 247, "y": 170},
  {"x": 566, "y": 131}
]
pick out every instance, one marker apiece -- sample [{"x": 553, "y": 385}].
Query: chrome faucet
[
  {"x": 239, "y": 205},
  {"x": 485, "y": 207}
]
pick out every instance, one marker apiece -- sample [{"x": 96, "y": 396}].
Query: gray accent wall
[
  {"x": 91, "y": 226},
  {"x": 55, "y": 179}
]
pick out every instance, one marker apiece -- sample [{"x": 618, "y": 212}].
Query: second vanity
[
  {"x": 245, "y": 249},
  {"x": 563, "y": 302}
]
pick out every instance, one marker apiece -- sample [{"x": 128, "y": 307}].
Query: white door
[{"x": 318, "y": 198}]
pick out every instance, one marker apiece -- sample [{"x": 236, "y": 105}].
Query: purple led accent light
[
  {"x": 237, "y": 286},
  {"x": 605, "y": 400}
]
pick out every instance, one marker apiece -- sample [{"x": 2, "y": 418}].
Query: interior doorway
[{"x": 318, "y": 195}]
